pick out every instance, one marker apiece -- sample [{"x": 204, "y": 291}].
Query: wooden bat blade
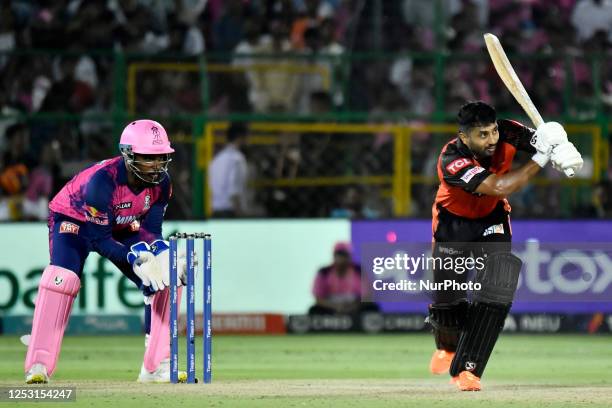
[
  {"x": 513, "y": 83},
  {"x": 511, "y": 80}
]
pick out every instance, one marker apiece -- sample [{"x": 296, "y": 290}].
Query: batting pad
[
  {"x": 158, "y": 346},
  {"x": 447, "y": 321},
  {"x": 485, "y": 322},
  {"x": 56, "y": 292},
  {"x": 498, "y": 279}
]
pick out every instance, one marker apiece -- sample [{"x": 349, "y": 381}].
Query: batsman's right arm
[{"x": 504, "y": 185}]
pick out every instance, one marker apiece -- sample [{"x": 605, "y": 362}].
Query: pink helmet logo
[{"x": 157, "y": 139}]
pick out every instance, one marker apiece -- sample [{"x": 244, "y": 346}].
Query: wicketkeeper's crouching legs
[
  {"x": 487, "y": 313},
  {"x": 56, "y": 292},
  {"x": 158, "y": 346}
]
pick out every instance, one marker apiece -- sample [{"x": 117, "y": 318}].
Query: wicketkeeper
[
  {"x": 115, "y": 208},
  {"x": 471, "y": 217}
]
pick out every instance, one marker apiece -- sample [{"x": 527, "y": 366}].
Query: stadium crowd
[{"x": 79, "y": 78}]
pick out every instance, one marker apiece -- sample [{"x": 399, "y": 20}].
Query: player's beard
[
  {"x": 489, "y": 151},
  {"x": 484, "y": 152}
]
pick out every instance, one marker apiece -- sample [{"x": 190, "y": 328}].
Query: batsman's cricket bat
[{"x": 513, "y": 83}]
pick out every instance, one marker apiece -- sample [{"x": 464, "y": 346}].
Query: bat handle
[{"x": 569, "y": 173}]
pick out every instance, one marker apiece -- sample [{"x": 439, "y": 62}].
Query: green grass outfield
[{"x": 331, "y": 371}]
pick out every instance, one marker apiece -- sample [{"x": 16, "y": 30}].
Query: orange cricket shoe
[
  {"x": 441, "y": 361},
  {"x": 467, "y": 381}
]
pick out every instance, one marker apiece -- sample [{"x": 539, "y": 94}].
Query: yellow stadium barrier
[{"x": 402, "y": 179}]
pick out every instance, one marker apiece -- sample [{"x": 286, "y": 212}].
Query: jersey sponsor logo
[
  {"x": 68, "y": 228},
  {"x": 92, "y": 214},
  {"x": 125, "y": 219},
  {"x": 157, "y": 139},
  {"x": 494, "y": 229},
  {"x": 471, "y": 173},
  {"x": 147, "y": 203},
  {"x": 457, "y": 165},
  {"x": 123, "y": 206}
]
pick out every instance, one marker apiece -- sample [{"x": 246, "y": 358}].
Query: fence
[{"x": 401, "y": 103}]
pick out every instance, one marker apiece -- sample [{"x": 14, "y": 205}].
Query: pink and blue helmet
[{"x": 146, "y": 137}]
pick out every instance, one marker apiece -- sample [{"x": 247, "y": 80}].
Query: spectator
[
  {"x": 8, "y": 37},
  {"x": 283, "y": 10},
  {"x": 228, "y": 30},
  {"x": 14, "y": 172},
  {"x": 18, "y": 140},
  {"x": 186, "y": 39},
  {"x": 337, "y": 287},
  {"x": 311, "y": 13},
  {"x": 137, "y": 29},
  {"x": 590, "y": 16},
  {"x": 228, "y": 175},
  {"x": 40, "y": 188},
  {"x": 599, "y": 207},
  {"x": 243, "y": 57},
  {"x": 275, "y": 90},
  {"x": 318, "y": 41},
  {"x": 353, "y": 206},
  {"x": 189, "y": 11},
  {"x": 90, "y": 25},
  {"x": 332, "y": 48},
  {"x": 47, "y": 25},
  {"x": 6, "y": 111}
]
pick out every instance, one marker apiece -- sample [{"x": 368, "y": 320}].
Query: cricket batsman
[
  {"x": 471, "y": 216},
  {"x": 115, "y": 208}
]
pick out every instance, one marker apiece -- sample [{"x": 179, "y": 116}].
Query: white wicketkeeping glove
[
  {"x": 161, "y": 249},
  {"x": 566, "y": 156},
  {"x": 148, "y": 270},
  {"x": 547, "y": 136}
]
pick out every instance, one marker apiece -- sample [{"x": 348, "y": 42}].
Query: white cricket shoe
[
  {"x": 160, "y": 375},
  {"x": 37, "y": 374}
]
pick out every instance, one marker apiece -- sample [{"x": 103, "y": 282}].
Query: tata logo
[
  {"x": 123, "y": 206},
  {"x": 457, "y": 165},
  {"x": 157, "y": 138}
]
